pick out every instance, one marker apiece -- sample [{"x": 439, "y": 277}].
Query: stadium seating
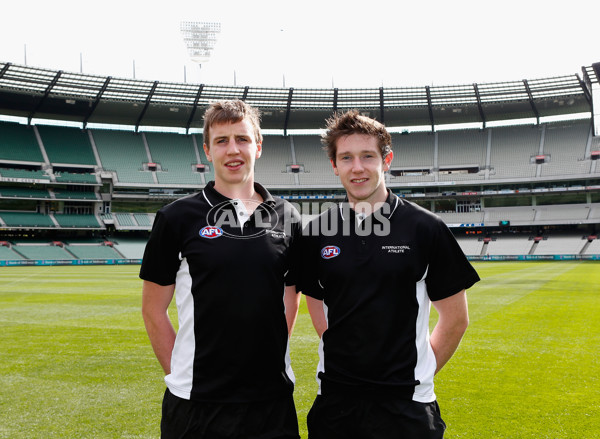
[
  {"x": 61, "y": 193},
  {"x": 499, "y": 153},
  {"x": 77, "y": 221},
  {"x": 25, "y": 174},
  {"x": 125, "y": 220},
  {"x": 143, "y": 219},
  {"x": 177, "y": 156},
  {"x": 462, "y": 218},
  {"x": 73, "y": 177},
  {"x": 7, "y": 254},
  {"x": 565, "y": 145},
  {"x": 131, "y": 248},
  {"x": 509, "y": 245},
  {"x": 516, "y": 215},
  {"x": 512, "y": 149},
  {"x": 566, "y": 214},
  {"x": 470, "y": 246},
  {"x": 23, "y": 192},
  {"x": 42, "y": 251},
  {"x": 124, "y": 153},
  {"x": 93, "y": 251},
  {"x": 317, "y": 169},
  {"x": 67, "y": 145},
  {"x": 26, "y": 219},
  {"x": 18, "y": 142},
  {"x": 560, "y": 245},
  {"x": 271, "y": 168},
  {"x": 414, "y": 152},
  {"x": 458, "y": 149},
  {"x": 593, "y": 248}
]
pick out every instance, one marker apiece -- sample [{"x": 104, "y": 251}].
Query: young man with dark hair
[
  {"x": 372, "y": 266},
  {"x": 226, "y": 254}
]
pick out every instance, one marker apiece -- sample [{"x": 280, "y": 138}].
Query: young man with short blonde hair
[{"x": 227, "y": 254}]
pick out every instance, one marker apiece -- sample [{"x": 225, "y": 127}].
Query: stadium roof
[{"x": 55, "y": 94}]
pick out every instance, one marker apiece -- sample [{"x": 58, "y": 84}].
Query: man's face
[
  {"x": 233, "y": 152},
  {"x": 361, "y": 168}
]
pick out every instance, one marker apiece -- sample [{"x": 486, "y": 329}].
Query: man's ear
[
  {"x": 207, "y": 152},
  {"x": 387, "y": 162},
  {"x": 335, "y": 169},
  {"x": 258, "y": 150}
]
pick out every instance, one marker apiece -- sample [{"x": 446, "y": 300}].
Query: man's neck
[
  {"x": 244, "y": 192},
  {"x": 367, "y": 207}
]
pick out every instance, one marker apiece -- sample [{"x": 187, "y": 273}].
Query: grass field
[{"x": 75, "y": 361}]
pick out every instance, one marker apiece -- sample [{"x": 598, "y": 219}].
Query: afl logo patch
[
  {"x": 331, "y": 251},
  {"x": 211, "y": 232}
]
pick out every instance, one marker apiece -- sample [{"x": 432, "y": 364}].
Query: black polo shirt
[
  {"x": 377, "y": 278},
  {"x": 230, "y": 275}
]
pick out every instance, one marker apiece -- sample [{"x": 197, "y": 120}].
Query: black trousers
[
  {"x": 185, "y": 419},
  {"x": 343, "y": 417}
]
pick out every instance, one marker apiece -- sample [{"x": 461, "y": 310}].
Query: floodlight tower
[{"x": 200, "y": 38}]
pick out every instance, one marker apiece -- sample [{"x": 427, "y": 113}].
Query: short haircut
[
  {"x": 231, "y": 111},
  {"x": 352, "y": 122}
]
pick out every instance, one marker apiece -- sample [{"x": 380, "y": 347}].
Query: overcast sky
[{"x": 308, "y": 43}]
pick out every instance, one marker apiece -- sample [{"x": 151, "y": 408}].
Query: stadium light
[{"x": 200, "y": 39}]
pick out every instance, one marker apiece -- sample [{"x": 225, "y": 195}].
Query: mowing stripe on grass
[{"x": 75, "y": 361}]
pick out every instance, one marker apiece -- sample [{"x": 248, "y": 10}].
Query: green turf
[{"x": 75, "y": 361}]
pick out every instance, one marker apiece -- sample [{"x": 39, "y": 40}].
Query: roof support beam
[
  {"x": 430, "y": 108},
  {"x": 4, "y": 69},
  {"x": 194, "y": 108},
  {"x": 96, "y": 101},
  {"x": 287, "y": 111},
  {"x": 596, "y": 67},
  {"x": 46, "y": 93},
  {"x": 586, "y": 91},
  {"x": 335, "y": 99},
  {"x": 148, "y": 99},
  {"x": 479, "y": 106},
  {"x": 381, "y": 106},
  {"x": 531, "y": 102}
]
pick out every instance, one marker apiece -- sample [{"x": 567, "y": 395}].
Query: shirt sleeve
[
  {"x": 308, "y": 280},
  {"x": 449, "y": 271},
  {"x": 161, "y": 259},
  {"x": 291, "y": 277}
]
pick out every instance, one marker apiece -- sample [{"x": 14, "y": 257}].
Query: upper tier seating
[
  {"x": 413, "y": 152},
  {"x": 565, "y": 144},
  {"x": 317, "y": 168},
  {"x": 18, "y": 142},
  {"x": 465, "y": 149},
  {"x": 67, "y": 145},
  {"x": 512, "y": 151},
  {"x": 270, "y": 168},
  {"x": 495, "y": 153},
  {"x": 177, "y": 156},
  {"x": 123, "y": 152}
]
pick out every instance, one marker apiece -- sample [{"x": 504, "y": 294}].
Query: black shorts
[
  {"x": 343, "y": 417},
  {"x": 272, "y": 419}
]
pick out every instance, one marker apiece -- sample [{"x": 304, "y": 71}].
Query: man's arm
[
  {"x": 155, "y": 303},
  {"x": 317, "y": 314},
  {"x": 291, "y": 300},
  {"x": 451, "y": 326}
]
